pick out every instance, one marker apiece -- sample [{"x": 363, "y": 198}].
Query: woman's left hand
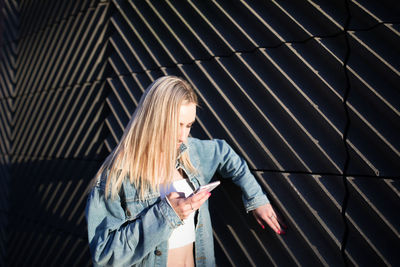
[{"x": 266, "y": 214}]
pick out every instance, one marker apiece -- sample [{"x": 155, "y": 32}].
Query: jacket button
[{"x": 158, "y": 253}]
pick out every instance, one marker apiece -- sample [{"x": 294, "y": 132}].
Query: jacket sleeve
[
  {"x": 117, "y": 240},
  {"x": 231, "y": 165}
]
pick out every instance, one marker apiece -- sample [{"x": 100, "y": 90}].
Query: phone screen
[{"x": 209, "y": 187}]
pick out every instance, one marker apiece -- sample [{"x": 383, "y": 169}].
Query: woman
[{"x": 141, "y": 211}]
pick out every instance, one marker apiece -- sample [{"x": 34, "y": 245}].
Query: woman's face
[{"x": 187, "y": 116}]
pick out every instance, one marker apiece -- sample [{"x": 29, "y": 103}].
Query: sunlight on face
[{"x": 187, "y": 116}]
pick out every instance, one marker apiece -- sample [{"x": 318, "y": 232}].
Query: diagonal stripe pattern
[
  {"x": 287, "y": 85},
  {"x": 306, "y": 91},
  {"x": 9, "y": 21},
  {"x": 52, "y": 125}
]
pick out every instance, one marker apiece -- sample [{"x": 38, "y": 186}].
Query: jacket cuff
[
  {"x": 169, "y": 213},
  {"x": 252, "y": 204}
]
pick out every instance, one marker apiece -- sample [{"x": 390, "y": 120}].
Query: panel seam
[{"x": 345, "y": 136}]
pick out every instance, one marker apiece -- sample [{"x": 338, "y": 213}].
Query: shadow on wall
[{"x": 46, "y": 220}]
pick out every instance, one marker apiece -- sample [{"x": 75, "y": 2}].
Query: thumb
[{"x": 173, "y": 195}]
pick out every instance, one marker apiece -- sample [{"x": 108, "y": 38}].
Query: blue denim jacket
[{"x": 138, "y": 235}]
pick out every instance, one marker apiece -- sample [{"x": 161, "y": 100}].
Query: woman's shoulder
[
  {"x": 205, "y": 144},
  {"x": 206, "y": 148},
  {"x": 101, "y": 180},
  {"x": 199, "y": 145}
]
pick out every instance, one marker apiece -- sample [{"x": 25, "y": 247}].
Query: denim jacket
[{"x": 137, "y": 235}]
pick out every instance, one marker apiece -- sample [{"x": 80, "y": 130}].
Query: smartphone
[{"x": 209, "y": 187}]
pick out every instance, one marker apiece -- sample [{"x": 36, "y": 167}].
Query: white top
[{"x": 185, "y": 233}]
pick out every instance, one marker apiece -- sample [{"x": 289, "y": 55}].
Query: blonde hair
[{"x": 147, "y": 152}]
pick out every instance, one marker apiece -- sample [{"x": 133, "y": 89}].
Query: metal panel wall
[
  {"x": 306, "y": 91},
  {"x": 52, "y": 99},
  {"x": 8, "y": 34}
]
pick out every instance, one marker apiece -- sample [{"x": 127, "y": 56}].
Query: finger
[
  {"x": 190, "y": 204},
  {"x": 185, "y": 206},
  {"x": 275, "y": 225},
  {"x": 278, "y": 222},
  {"x": 259, "y": 221},
  {"x": 270, "y": 220},
  {"x": 190, "y": 207},
  {"x": 274, "y": 219},
  {"x": 272, "y": 225},
  {"x": 173, "y": 195},
  {"x": 199, "y": 200},
  {"x": 199, "y": 196},
  {"x": 184, "y": 209}
]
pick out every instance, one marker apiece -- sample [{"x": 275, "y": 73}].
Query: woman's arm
[
  {"x": 117, "y": 240},
  {"x": 231, "y": 165}
]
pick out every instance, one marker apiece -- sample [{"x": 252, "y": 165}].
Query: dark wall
[{"x": 306, "y": 91}]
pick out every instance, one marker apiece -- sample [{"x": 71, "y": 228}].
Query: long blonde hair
[{"x": 147, "y": 151}]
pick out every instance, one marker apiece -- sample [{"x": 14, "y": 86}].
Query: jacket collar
[{"x": 181, "y": 149}]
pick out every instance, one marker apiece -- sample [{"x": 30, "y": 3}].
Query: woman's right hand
[{"x": 185, "y": 206}]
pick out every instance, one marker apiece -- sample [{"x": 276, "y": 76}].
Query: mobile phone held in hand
[{"x": 208, "y": 187}]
